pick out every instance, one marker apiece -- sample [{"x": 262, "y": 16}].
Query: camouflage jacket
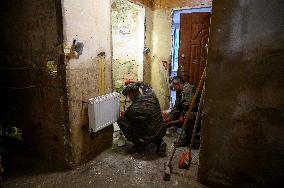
[
  {"x": 145, "y": 111},
  {"x": 182, "y": 106}
]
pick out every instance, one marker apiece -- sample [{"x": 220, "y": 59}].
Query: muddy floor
[{"x": 112, "y": 168}]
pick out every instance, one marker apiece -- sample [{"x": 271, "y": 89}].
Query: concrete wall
[
  {"x": 242, "y": 128},
  {"x": 161, "y": 51},
  {"x": 147, "y": 67},
  {"x": 128, "y": 42},
  {"x": 90, "y": 24},
  {"x": 33, "y": 76}
]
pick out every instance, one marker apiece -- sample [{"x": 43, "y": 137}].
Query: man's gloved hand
[
  {"x": 181, "y": 120},
  {"x": 166, "y": 116},
  {"x": 129, "y": 82},
  {"x": 122, "y": 114},
  {"x": 167, "y": 120}
]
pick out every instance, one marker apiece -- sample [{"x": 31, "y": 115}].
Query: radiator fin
[{"x": 103, "y": 111}]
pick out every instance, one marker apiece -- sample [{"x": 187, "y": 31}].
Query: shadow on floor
[
  {"x": 112, "y": 168},
  {"x": 20, "y": 160}
]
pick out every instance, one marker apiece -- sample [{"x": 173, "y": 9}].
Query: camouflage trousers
[
  {"x": 135, "y": 133},
  {"x": 189, "y": 128},
  {"x": 131, "y": 132}
]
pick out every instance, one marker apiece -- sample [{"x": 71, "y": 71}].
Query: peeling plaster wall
[
  {"x": 147, "y": 67},
  {"x": 128, "y": 42},
  {"x": 161, "y": 51},
  {"x": 33, "y": 76},
  {"x": 242, "y": 129},
  {"x": 89, "y": 23}
]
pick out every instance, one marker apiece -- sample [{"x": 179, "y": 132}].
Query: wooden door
[{"x": 194, "y": 32}]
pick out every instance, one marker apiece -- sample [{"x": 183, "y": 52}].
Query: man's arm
[
  {"x": 181, "y": 108},
  {"x": 187, "y": 95},
  {"x": 135, "y": 113},
  {"x": 176, "y": 112}
]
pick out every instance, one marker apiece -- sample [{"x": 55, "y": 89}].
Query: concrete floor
[{"x": 112, "y": 168}]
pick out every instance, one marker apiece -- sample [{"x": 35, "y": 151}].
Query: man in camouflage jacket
[
  {"x": 142, "y": 123},
  {"x": 181, "y": 106}
]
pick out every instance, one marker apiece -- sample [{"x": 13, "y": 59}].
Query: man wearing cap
[
  {"x": 181, "y": 106},
  {"x": 142, "y": 123}
]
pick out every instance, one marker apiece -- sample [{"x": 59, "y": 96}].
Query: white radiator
[{"x": 103, "y": 111}]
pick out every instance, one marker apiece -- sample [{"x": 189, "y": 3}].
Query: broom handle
[
  {"x": 188, "y": 113},
  {"x": 197, "y": 119},
  {"x": 172, "y": 123}
]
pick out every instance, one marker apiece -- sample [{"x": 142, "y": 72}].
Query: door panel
[
  {"x": 184, "y": 48},
  {"x": 193, "y": 45}
]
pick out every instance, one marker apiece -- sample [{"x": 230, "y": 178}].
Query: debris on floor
[
  {"x": 118, "y": 138},
  {"x": 114, "y": 168}
]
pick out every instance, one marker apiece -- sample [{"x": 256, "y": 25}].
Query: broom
[
  {"x": 168, "y": 165},
  {"x": 185, "y": 160}
]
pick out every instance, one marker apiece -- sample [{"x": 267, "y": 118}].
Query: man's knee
[
  {"x": 123, "y": 125},
  {"x": 130, "y": 132}
]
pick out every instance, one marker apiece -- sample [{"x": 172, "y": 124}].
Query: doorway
[{"x": 190, "y": 32}]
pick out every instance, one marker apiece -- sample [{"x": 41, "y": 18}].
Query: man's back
[
  {"x": 145, "y": 112},
  {"x": 187, "y": 94}
]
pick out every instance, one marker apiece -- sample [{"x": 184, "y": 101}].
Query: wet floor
[{"x": 115, "y": 168}]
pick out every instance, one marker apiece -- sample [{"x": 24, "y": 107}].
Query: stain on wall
[
  {"x": 33, "y": 76},
  {"x": 161, "y": 39},
  {"x": 83, "y": 22},
  {"x": 242, "y": 129}
]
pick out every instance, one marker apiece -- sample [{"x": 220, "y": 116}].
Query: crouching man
[
  {"x": 142, "y": 123},
  {"x": 181, "y": 107}
]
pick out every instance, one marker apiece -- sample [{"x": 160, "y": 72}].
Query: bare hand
[
  {"x": 129, "y": 82},
  {"x": 181, "y": 120},
  {"x": 122, "y": 114}
]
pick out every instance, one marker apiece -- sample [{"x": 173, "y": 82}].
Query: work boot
[
  {"x": 136, "y": 148},
  {"x": 151, "y": 148}
]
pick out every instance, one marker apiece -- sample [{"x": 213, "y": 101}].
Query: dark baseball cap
[{"x": 130, "y": 87}]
